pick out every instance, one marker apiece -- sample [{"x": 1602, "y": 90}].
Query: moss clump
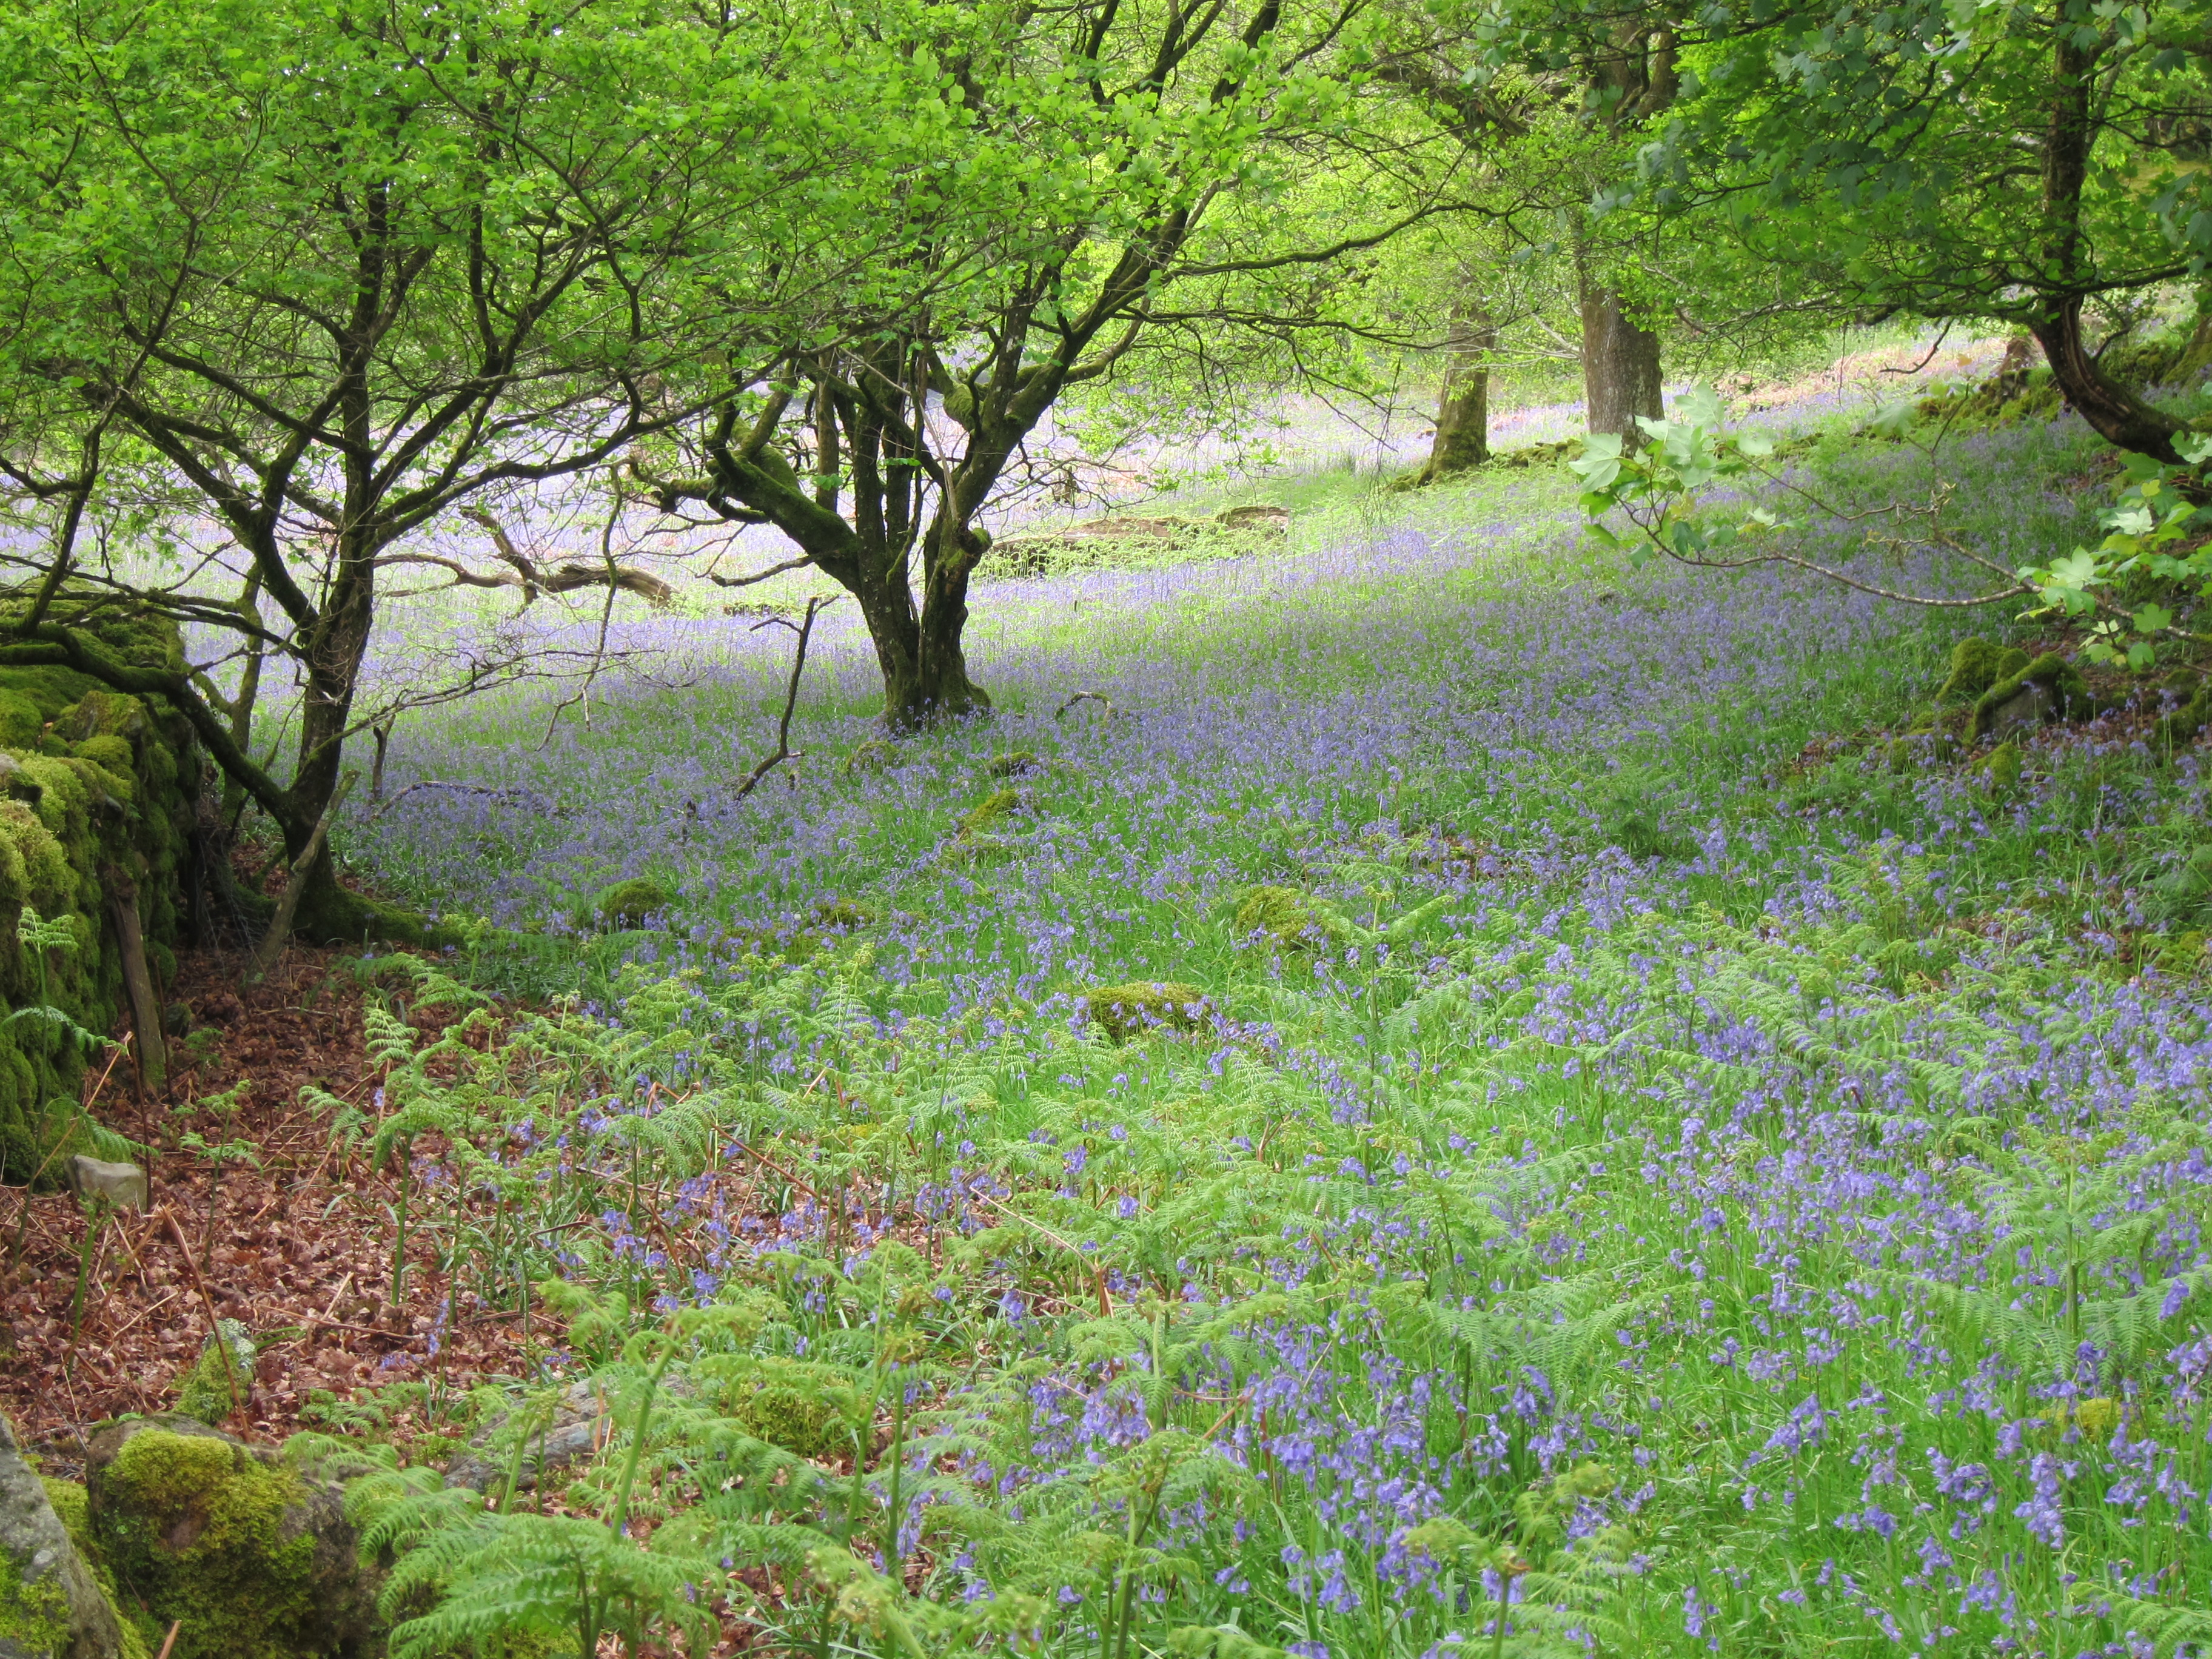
[
  {"x": 200, "y": 1531},
  {"x": 2050, "y": 673},
  {"x": 1019, "y": 764},
  {"x": 873, "y": 755},
  {"x": 992, "y": 811},
  {"x": 34, "y": 1618},
  {"x": 1976, "y": 665},
  {"x": 2182, "y": 723},
  {"x": 91, "y": 781},
  {"x": 625, "y": 904},
  {"x": 1290, "y": 919},
  {"x": 204, "y": 1389},
  {"x": 73, "y": 1507},
  {"x": 2003, "y": 768},
  {"x": 1143, "y": 1006}
]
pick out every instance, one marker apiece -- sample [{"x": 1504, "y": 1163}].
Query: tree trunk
[
  {"x": 1462, "y": 439},
  {"x": 1620, "y": 367},
  {"x": 2114, "y": 413}
]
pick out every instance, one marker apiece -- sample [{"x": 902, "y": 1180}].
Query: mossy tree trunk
[{"x": 1462, "y": 435}]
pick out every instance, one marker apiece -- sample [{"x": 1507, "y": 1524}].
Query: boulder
[
  {"x": 2048, "y": 689},
  {"x": 51, "y": 1606},
  {"x": 1125, "y": 1011},
  {"x": 123, "y": 1185},
  {"x": 251, "y": 1557}
]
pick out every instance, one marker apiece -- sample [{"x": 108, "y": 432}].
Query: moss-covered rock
[
  {"x": 203, "y": 1390},
  {"x": 1289, "y": 919},
  {"x": 97, "y": 793},
  {"x": 1976, "y": 665},
  {"x": 1019, "y": 764},
  {"x": 73, "y": 1507},
  {"x": 991, "y": 811},
  {"x": 2048, "y": 689},
  {"x": 253, "y": 1560},
  {"x": 1144, "y": 1006},
  {"x": 51, "y": 1606},
  {"x": 625, "y": 904},
  {"x": 2003, "y": 768}
]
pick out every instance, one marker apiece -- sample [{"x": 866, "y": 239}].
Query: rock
[
  {"x": 2025, "y": 710},
  {"x": 990, "y": 813},
  {"x": 1976, "y": 665},
  {"x": 1018, "y": 764},
  {"x": 1125, "y": 1011},
  {"x": 625, "y": 904},
  {"x": 123, "y": 1185},
  {"x": 577, "y": 1428},
  {"x": 203, "y": 1392},
  {"x": 253, "y": 1559},
  {"x": 2048, "y": 689},
  {"x": 1241, "y": 518},
  {"x": 1290, "y": 919},
  {"x": 2003, "y": 768},
  {"x": 51, "y": 1606}
]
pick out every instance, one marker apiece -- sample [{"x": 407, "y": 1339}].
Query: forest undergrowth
[{"x": 1468, "y": 1099}]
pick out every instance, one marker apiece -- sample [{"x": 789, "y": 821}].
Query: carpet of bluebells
[{"x": 1465, "y": 1100}]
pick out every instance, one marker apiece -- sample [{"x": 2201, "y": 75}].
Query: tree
[
  {"x": 322, "y": 275},
  {"x": 1117, "y": 173},
  {"x": 2022, "y": 163}
]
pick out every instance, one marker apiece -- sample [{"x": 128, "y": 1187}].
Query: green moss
[
  {"x": 21, "y": 719},
  {"x": 992, "y": 810},
  {"x": 106, "y": 788},
  {"x": 1133, "y": 1010},
  {"x": 73, "y": 1505},
  {"x": 1018, "y": 764},
  {"x": 204, "y": 1391},
  {"x": 873, "y": 755},
  {"x": 625, "y": 904},
  {"x": 33, "y": 1617},
  {"x": 1290, "y": 919},
  {"x": 194, "y": 1528},
  {"x": 2003, "y": 768},
  {"x": 1976, "y": 665}
]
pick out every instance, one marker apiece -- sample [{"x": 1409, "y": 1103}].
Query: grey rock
[
  {"x": 52, "y": 1600},
  {"x": 2032, "y": 706},
  {"x": 579, "y": 1427},
  {"x": 123, "y": 1185}
]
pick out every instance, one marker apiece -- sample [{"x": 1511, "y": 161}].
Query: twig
[
  {"x": 280, "y": 926},
  {"x": 170, "y": 1640},
  {"x": 1105, "y": 1302},
  {"x": 138, "y": 1317},
  {"x": 783, "y": 748},
  {"x": 215, "y": 1323},
  {"x": 773, "y": 1168}
]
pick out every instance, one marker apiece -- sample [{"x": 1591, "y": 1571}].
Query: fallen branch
[
  {"x": 1103, "y": 701},
  {"x": 784, "y": 751},
  {"x": 272, "y": 944}
]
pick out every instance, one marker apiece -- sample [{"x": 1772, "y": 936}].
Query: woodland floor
[{"x": 299, "y": 1247}]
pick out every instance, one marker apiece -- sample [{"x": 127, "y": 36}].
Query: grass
[{"x": 1646, "y": 1177}]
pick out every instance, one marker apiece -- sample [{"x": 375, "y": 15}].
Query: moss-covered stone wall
[{"x": 97, "y": 798}]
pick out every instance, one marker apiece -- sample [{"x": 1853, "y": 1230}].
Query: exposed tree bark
[
  {"x": 1620, "y": 367},
  {"x": 1634, "y": 77},
  {"x": 2114, "y": 413}
]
